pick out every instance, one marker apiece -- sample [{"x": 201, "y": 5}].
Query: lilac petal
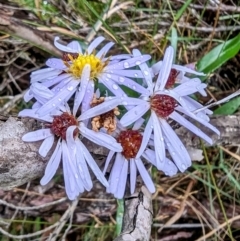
[
  {"x": 199, "y": 119},
  {"x": 138, "y": 123},
  {"x": 58, "y": 98},
  {"x": 194, "y": 105},
  {"x": 187, "y": 124},
  {"x": 94, "y": 44},
  {"x": 112, "y": 86},
  {"x": 150, "y": 156},
  {"x": 125, "y": 64},
  {"x": 156, "y": 67},
  {"x": 82, "y": 89},
  {"x": 56, "y": 64},
  {"x": 37, "y": 135},
  {"x": 87, "y": 97},
  {"x": 61, "y": 85},
  {"x": 41, "y": 72},
  {"x": 146, "y": 71},
  {"x": 100, "y": 138},
  {"x": 133, "y": 175},
  {"x": 83, "y": 168},
  {"x": 92, "y": 164},
  {"x": 46, "y": 146},
  {"x": 169, "y": 168},
  {"x": 75, "y": 46},
  {"x": 63, "y": 47},
  {"x": 70, "y": 140},
  {"x": 146, "y": 136},
  {"x": 158, "y": 141},
  {"x": 122, "y": 181},
  {"x": 165, "y": 69},
  {"x": 124, "y": 73},
  {"x": 32, "y": 114},
  {"x": 104, "y": 50},
  {"x": 145, "y": 176},
  {"x": 186, "y": 70},
  {"x": 72, "y": 165},
  {"x": 52, "y": 165},
  {"x": 109, "y": 158},
  {"x": 120, "y": 57},
  {"x": 71, "y": 187},
  {"x": 134, "y": 114},
  {"x": 58, "y": 79},
  {"x": 28, "y": 96},
  {"x": 104, "y": 107},
  {"x": 116, "y": 172},
  {"x": 175, "y": 147},
  {"x": 188, "y": 88},
  {"x": 40, "y": 90},
  {"x": 36, "y": 105},
  {"x": 129, "y": 83},
  {"x": 45, "y": 76}
]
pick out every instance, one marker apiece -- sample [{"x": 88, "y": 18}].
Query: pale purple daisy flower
[
  {"x": 76, "y": 159},
  {"x": 126, "y": 163},
  {"x": 164, "y": 102},
  {"x": 78, "y": 71}
]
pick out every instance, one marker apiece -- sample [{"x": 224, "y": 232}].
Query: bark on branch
[{"x": 137, "y": 219}]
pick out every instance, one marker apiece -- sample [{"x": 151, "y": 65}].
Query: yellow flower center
[{"x": 77, "y": 64}]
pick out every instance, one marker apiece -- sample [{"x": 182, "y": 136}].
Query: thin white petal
[
  {"x": 100, "y": 138},
  {"x": 115, "y": 173},
  {"x": 63, "y": 47},
  {"x": 133, "y": 175},
  {"x": 158, "y": 141},
  {"x": 187, "y": 124},
  {"x": 94, "y": 44},
  {"x": 58, "y": 98},
  {"x": 37, "y": 135},
  {"x": 122, "y": 181},
  {"x": 145, "y": 176},
  {"x": 169, "y": 168},
  {"x": 186, "y": 69},
  {"x": 92, "y": 164},
  {"x": 146, "y": 136},
  {"x": 104, "y": 107},
  {"x": 75, "y": 46},
  {"x": 165, "y": 69},
  {"x": 52, "y": 165},
  {"x": 146, "y": 71},
  {"x": 109, "y": 158},
  {"x": 46, "y": 146},
  {"x": 134, "y": 114},
  {"x": 175, "y": 147},
  {"x": 199, "y": 119},
  {"x": 104, "y": 50},
  {"x": 82, "y": 89},
  {"x": 82, "y": 167}
]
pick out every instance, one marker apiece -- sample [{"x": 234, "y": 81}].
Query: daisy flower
[
  {"x": 127, "y": 163},
  {"x": 64, "y": 127},
  {"x": 78, "y": 71},
  {"x": 166, "y": 102}
]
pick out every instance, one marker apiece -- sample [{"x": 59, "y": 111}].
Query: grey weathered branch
[
  {"x": 20, "y": 162},
  {"x": 137, "y": 219}
]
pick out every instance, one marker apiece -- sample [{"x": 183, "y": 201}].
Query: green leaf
[
  {"x": 174, "y": 40},
  {"x": 229, "y": 108},
  {"x": 119, "y": 217},
  {"x": 219, "y": 55}
]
